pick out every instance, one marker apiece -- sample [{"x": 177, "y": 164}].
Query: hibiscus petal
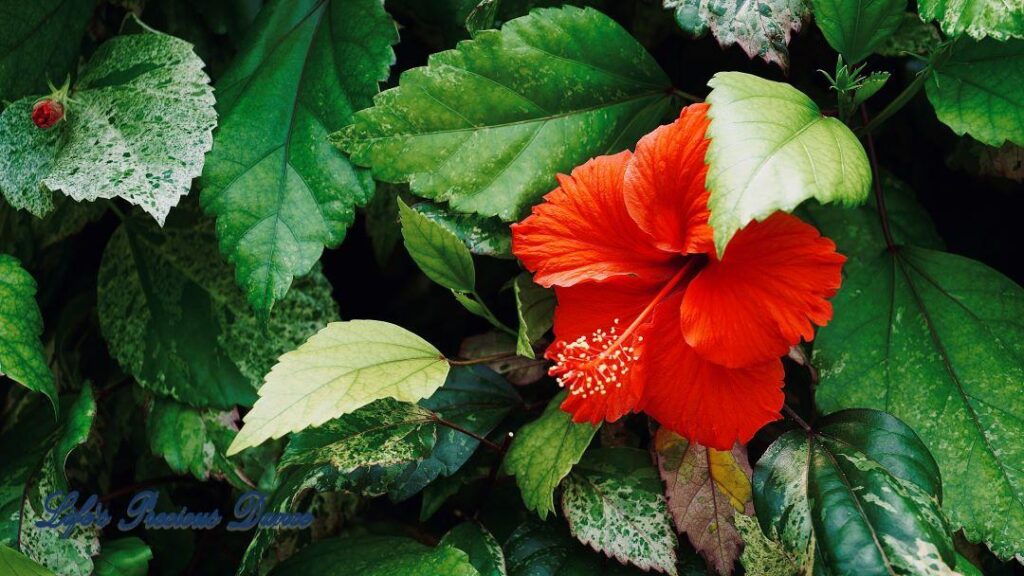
[
  {"x": 582, "y": 231},
  {"x": 664, "y": 188},
  {"x": 586, "y": 308},
  {"x": 702, "y": 401},
  {"x": 765, "y": 295}
]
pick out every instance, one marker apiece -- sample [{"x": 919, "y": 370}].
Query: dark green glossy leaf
[
  {"x": 376, "y": 556},
  {"x": 125, "y": 557},
  {"x": 483, "y": 550},
  {"x": 39, "y": 42},
  {"x": 539, "y": 548}
]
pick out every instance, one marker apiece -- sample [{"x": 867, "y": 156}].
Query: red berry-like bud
[{"x": 46, "y": 113}]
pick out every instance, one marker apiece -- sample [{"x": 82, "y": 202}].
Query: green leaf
[
  {"x": 978, "y": 18},
  {"x": 194, "y": 441},
  {"x": 340, "y": 369},
  {"x": 14, "y": 563},
  {"x": 976, "y": 90},
  {"x": 382, "y": 223},
  {"x": 859, "y": 495},
  {"x": 473, "y": 398},
  {"x": 483, "y": 236},
  {"x": 543, "y": 452},
  {"x": 762, "y": 555},
  {"x": 854, "y": 28},
  {"x": 29, "y": 236},
  {"x": 125, "y": 557},
  {"x": 40, "y": 41},
  {"x": 483, "y": 550},
  {"x": 176, "y": 322},
  {"x": 439, "y": 253},
  {"x": 870, "y": 86},
  {"x": 544, "y": 549},
  {"x": 137, "y": 126},
  {"x": 487, "y": 126},
  {"x": 912, "y": 37},
  {"x": 536, "y": 309},
  {"x": 613, "y": 501},
  {"x": 383, "y": 433},
  {"x": 770, "y": 150},
  {"x": 707, "y": 490},
  {"x": 33, "y": 452},
  {"x": 761, "y": 28},
  {"x": 279, "y": 190},
  {"x": 935, "y": 340},
  {"x": 21, "y": 353},
  {"x": 376, "y": 556}
]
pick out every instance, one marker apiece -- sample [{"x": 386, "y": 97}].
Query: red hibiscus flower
[{"x": 648, "y": 317}]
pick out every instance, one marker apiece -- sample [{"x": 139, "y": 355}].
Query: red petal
[
  {"x": 765, "y": 295},
  {"x": 585, "y": 308},
  {"x": 665, "y": 191},
  {"x": 583, "y": 232},
  {"x": 702, "y": 401}
]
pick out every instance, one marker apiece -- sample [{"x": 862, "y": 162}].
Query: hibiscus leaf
[
  {"x": 139, "y": 121},
  {"x": 176, "y": 322},
  {"x": 193, "y": 441},
  {"x": 935, "y": 340},
  {"x": 706, "y": 490},
  {"x": 33, "y": 451},
  {"x": 913, "y": 36},
  {"x": 544, "y": 548},
  {"x": 869, "y": 469},
  {"x": 279, "y": 190},
  {"x": 976, "y": 90},
  {"x": 483, "y": 236},
  {"x": 854, "y": 28},
  {"x": 340, "y": 369},
  {"x": 483, "y": 550},
  {"x": 439, "y": 253},
  {"x": 613, "y": 502},
  {"x": 21, "y": 353},
  {"x": 543, "y": 452},
  {"x": 770, "y": 150},
  {"x": 978, "y": 18},
  {"x": 761, "y": 28},
  {"x": 15, "y": 563},
  {"x": 124, "y": 557},
  {"x": 376, "y": 556},
  {"x": 39, "y": 41},
  {"x": 486, "y": 126},
  {"x": 536, "y": 308}
]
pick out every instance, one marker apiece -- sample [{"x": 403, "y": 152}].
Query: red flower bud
[{"x": 46, "y": 113}]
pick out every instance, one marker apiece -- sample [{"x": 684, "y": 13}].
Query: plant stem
[
  {"x": 876, "y": 179},
  {"x": 490, "y": 317},
  {"x": 484, "y": 359},
  {"x": 116, "y": 210},
  {"x": 475, "y": 436},
  {"x": 796, "y": 418},
  {"x": 685, "y": 95}
]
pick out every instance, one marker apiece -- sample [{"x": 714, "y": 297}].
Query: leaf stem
[
  {"x": 898, "y": 103},
  {"x": 475, "y": 436},
  {"x": 685, "y": 95},
  {"x": 796, "y": 418},
  {"x": 490, "y": 317},
  {"x": 116, "y": 210},
  {"x": 484, "y": 359},
  {"x": 876, "y": 180}
]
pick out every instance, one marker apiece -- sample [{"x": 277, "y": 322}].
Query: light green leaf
[
  {"x": 935, "y": 340},
  {"x": 139, "y": 121},
  {"x": 999, "y": 19},
  {"x": 613, "y": 501},
  {"x": 33, "y": 452},
  {"x": 483, "y": 236},
  {"x": 870, "y": 470},
  {"x": 487, "y": 126},
  {"x": 760, "y": 27},
  {"x": 483, "y": 550},
  {"x": 854, "y": 28},
  {"x": 176, "y": 322},
  {"x": 543, "y": 452},
  {"x": 279, "y": 190},
  {"x": 376, "y": 556},
  {"x": 21, "y": 353},
  {"x": 383, "y": 433},
  {"x": 14, "y": 563},
  {"x": 39, "y": 41},
  {"x": 536, "y": 309},
  {"x": 976, "y": 90},
  {"x": 125, "y": 557},
  {"x": 439, "y": 253},
  {"x": 770, "y": 150},
  {"x": 340, "y": 369}
]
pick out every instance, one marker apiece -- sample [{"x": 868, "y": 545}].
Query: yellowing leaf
[{"x": 342, "y": 368}]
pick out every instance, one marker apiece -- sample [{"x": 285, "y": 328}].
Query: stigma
[{"x": 595, "y": 364}]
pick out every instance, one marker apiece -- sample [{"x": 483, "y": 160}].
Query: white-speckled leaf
[
  {"x": 175, "y": 320},
  {"x": 936, "y": 340},
  {"x": 771, "y": 149},
  {"x": 139, "y": 123},
  {"x": 762, "y": 555},
  {"x": 760, "y": 27},
  {"x": 340, "y": 369},
  {"x": 21, "y": 353},
  {"x": 860, "y": 495},
  {"x": 544, "y": 451},
  {"x": 999, "y": 19},
  {"x": 613, "y": 502}
]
